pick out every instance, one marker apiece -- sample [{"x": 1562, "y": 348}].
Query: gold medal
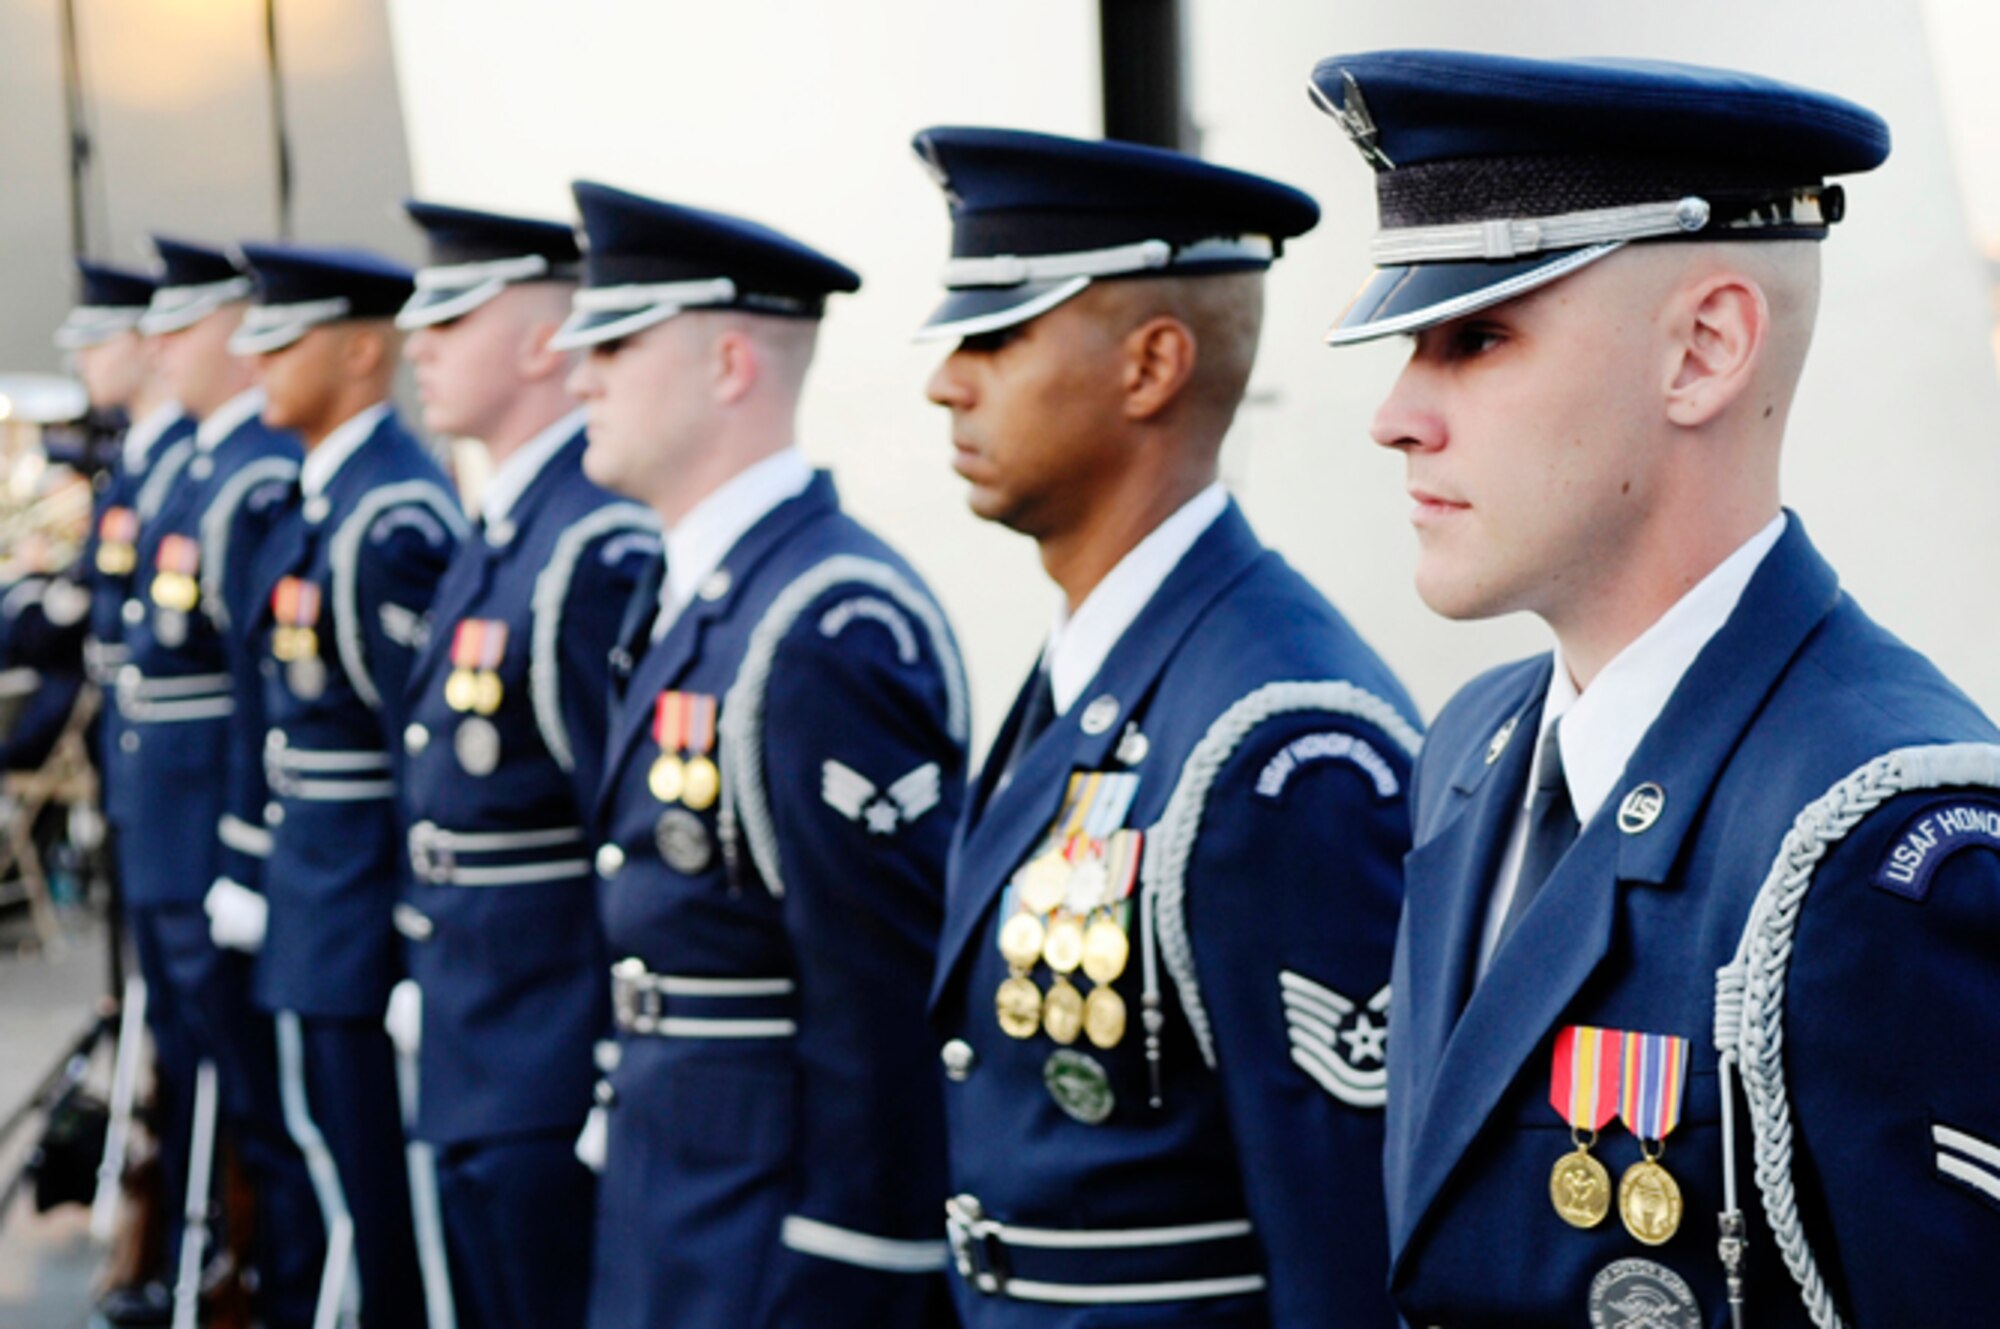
[
  {"x": 1021, "y": 941},
  {"x": 283, "y": 646},
  {"x": 700, "y": 784},
  {"x": 116, "y": 560},
  {"x": 1062, "y": 1012},
  {"x": 486, "y": 691},
  {"x": 1649, "y": 1200},
  {"x": 1105, "y": 950},
  {"x": 1018, "y": 1003},
  {"x": 1104, "y": 1017},
  {"x": 1063, "y": 949},
  {"x": 460, "y": 690},
  {"x": 667, "y": 778},
  {"x": 1043, "y": 881},
  {"x": 174, "y": 590},
  {"x": 1580, "y": 1188}
]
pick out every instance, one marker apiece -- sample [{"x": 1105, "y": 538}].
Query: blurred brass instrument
[{"x": 44, "y": 504}]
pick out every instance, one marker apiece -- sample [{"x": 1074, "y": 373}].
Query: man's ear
[
  {"x": 1719, "y": 327},
  {"x": 1159, "y": 360},
  {"x": 738, "y": 362},
  {"x": 364, "y": 351},
  {"x": 534, "y": 359}
]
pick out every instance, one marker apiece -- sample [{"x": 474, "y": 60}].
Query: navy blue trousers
[
  {"x": 351, "y": 1131},
  {"x": 518, "y": 1218}
]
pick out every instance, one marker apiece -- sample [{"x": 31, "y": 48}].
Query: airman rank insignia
[
  {"x": 1068, "y": 908},
  {"x": 478, "y": 645},
  {"x": 884, "y": 811},
  {"x": 1935, "y": 834},
  {"x": 118, "y": 542},
  {"x": 295, "y": 639},
  {"x": 684, "y": 731},
  {"x": 1338, "y": 1041}
]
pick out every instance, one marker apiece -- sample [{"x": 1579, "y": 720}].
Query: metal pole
[
  {"x": 281, "y": 144},
  {"x": 1142, "y": 55},
  {"x": 75, "y": 122}
]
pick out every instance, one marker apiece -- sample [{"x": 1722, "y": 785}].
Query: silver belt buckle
[
  {"x": 630, "y": 995},
  {"x": 430, "y": 860},
  {"x": 975, "y": 1245}
]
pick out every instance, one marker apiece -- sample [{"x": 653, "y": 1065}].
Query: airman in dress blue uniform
[
  {"x": 787, "y": 758},
  {"x": 177, "y": 697},
  {"x": 1696, "y": 977},
  {"x": 1163, "y": 988},
  {"x": 343, "y": 587},
  {"x": 502, "y": 756}
]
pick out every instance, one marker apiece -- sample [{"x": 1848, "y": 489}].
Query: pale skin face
[
  {"x": 1588, "y": 452},
  {"x": 490, "y": 375},
  {"x": 196, "y": 368},
  {"x": 114, "y": 371}
]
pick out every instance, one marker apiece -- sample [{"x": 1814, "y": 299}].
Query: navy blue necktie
[{"x": 1552, "y": 829}]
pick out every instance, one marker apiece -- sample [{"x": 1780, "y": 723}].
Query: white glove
[
  {"x": 405, "y": 1018},
  {"x": 237, "y": 916},
  {"x": 590, "y": 1142}
]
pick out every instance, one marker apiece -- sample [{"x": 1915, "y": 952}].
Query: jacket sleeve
[
  {"x": 1892, "y": 1011},
  {"x": 1279, "y": 943},
  {"x": 399, "y": 557}
]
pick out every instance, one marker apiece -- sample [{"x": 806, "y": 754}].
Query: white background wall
[{"x": 799, "y": 113}]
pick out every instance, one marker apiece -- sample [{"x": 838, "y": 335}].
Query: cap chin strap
[
  {"x": 1144, "y": 256},
  {"x": 1508, "y": 238}
]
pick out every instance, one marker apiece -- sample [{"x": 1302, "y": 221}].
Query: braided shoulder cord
[
  {"x": 1750, "y": 990},
  {"x": 1171, "y": 841}
]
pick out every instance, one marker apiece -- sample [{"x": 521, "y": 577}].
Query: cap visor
[
  {"x": 262, "y": 341},
  {"x": 157, "y": 322},
  {"x": 1411, "y": 297},
  {"x": 594, "y": 327},
  {"x": 980, "y": 309},
  {"x": 431, "y": 306}
]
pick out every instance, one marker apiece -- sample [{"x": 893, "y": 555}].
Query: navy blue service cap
[
  {"x": 300, "y": 287},
  {"x": 1035, "y": 218},
  {"x": 195, "y": 281},
  {"x": 473, "y": 256},
  {"x": 646, "y": 260},
  {"x": 109, "y": 301},
  {"x": 1496, "y": 175}
]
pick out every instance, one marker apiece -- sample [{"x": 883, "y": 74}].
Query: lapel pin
[
  {"x": 1133, "y": 746},
  {"x": 716, "y": 586},
  {"x": 1100, "y": 715},
  {"x": 1500, "y": 740},
  {"x": 1641, "y": 808}
]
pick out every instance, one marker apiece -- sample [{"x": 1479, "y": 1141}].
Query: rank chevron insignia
[
  {"x": 1337, "y": 1041},
  {"x": 854, "y": 796}
]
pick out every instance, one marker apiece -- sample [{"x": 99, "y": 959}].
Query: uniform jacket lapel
[
  {"x": 1002, "y": 832},
  {"x": 1561, "y": 940}
]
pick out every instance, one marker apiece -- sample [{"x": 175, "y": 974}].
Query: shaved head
[{"x": 1225, "y": 314}]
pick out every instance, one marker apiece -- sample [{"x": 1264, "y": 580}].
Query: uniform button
[
  {"x": 958, "y": 1058},
  {"x": 274, "y": 814},
  {"x": 412, "y": 922},
  {"x": 128, "y": 742},
  {"x": 317, "y": 507},
  {"x": 415, "y": 739},
  {"x": 610, "y": 858},
  {"x": 133, "y": 612}
]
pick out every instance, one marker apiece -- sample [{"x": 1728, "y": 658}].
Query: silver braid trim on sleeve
[
  {"x": 551, "y": 593},
  {"x": 216, "y": 523},
  {"x": 1171, "y": 841},
  {"x": 746, "y": 804},
  {"x": 1750, "y": 989},
  {"x": 346, "y": 560}
]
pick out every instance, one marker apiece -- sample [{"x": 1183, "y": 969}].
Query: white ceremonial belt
[
  {"x": 238, "y": 834},
  {"x": 438, "y": 856},
  {"x": 864, "y": 1250},
  {"x": 691, "y": 1006},
  {"x": 328, "y": 775},
  {"x": 174, "y": 698},
  {"x": 1010, "y": 1260}
]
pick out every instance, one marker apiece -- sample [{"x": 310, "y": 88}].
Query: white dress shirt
[
  {"x": 1602, "y": 726},
  {"x": 324, "y": 462},
  {"x": 145, "y": 432},
  {"x": 1079, "y": 643},
  {"x": 517, "y": 474},
  {"x": 699, "y": 542},
  {"x": 227, "y": 418}
]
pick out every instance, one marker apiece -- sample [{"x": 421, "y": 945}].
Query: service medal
[
  {"x": 1043, "y": 881},
  {"x": 1584, "y": 1081},
  {"x": 1018, "y": 1003},
  {"x": 666, "y": 778},
  {"x": 478, "y": 647},
  {"x": 176, "y": 562},
  {"x": 1104, "y": 1017},
  {"x": 1079, "y": 1086},
  {"x": 1062, "y": 950},
  {"x": 459, "y": 689},
  {"x": 1021, "y": 941},
  {"x": 306, "y": 677},
  {"x": 477, "y": 745},
  {"x": 1086, "y": 886},
  {"x": 702, "y": 783},
  {"x": 171, "y": 627},
  {"x": 683, "y": 841},
  {"x": 295, "y": 611},
  {"x": 117, "y": 541},
  {"x": 1105, "y": 950},
  {"x": 1062, "y": 1012},
  {"x": 487, "y": 693},
  {"x": 1655, "y": 1083}
]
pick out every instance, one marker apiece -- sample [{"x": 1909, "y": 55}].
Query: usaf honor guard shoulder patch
[
  {"x": 1932, "y": 835},
  {"x": 1342, "y": 1044}
]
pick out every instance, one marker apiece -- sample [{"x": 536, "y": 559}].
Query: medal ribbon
[
  {"x": 1655, "y": 1084},
  {"x": 669, "y": 721},
  {"x": 479, "y": 643},
  {"x": 178, "y": 553},
  {"x": 1114, "y": 799},
  {"x": 700, "y": 734},
  {"x": 1122, "y": 863},
  {"x": 119, "y": 526},
  {"x": 295, "y": 602},
  {"x": 1584, "y": 1079}
]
